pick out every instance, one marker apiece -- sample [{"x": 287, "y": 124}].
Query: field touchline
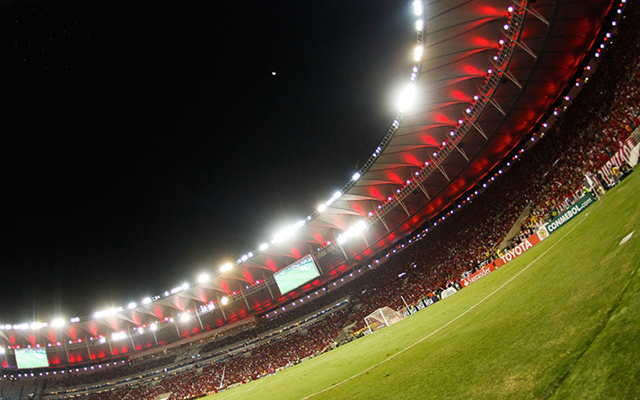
[{"x": 450, "y": 322}]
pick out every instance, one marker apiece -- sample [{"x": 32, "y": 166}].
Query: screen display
[
  {"x": 296, "y": 274},
  {"x": 32, "y": 358}
]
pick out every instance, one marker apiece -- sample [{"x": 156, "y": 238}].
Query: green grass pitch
[{"x": 561, "y": 321}]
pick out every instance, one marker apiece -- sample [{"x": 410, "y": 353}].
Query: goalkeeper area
[
  {"x": 381, "y": 318},
  {"x": 561, "y": 321}
]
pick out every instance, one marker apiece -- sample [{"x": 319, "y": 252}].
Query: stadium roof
[{"x": 490, "y": 72}]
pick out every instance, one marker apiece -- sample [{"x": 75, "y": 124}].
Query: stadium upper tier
[{"x": 486, "y": 75}]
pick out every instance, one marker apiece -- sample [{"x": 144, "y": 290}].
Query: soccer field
[{"x": 562, "y": 321}]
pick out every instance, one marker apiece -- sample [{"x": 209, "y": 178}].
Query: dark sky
[{"x": 143, "y": 144}]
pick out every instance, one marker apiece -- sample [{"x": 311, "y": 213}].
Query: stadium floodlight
[
  {"x": 146, "y": 300},
  {"x": 356, "y": 176},
  {"x": 407, "y": 98},
  {"x": 58, "y": 322},
  {"x": 224, "y": 300},
  {"x": 420, "y": 25},
  {"x": 185, "y": 286},
  {"x": 322, "y": 208},
  {"x": 417, "y": 7},
  {"x": 264, "y": 246},
  {"x": 211, "y": 306},
  {"x": 102, "y": 340},
  {"x": 226, "y": 267},
  {"x": 153, "y": 327},
  {"x": 203, "y": 278},
  {"x": 185, "y": 317},
  {"x": 337, "y": 195},
  {"x": 131, "y": 305},
  {"x": 417, "y": 53},
  {"x": 2, "y": 350},
  {"x": 140, "y": 330}
]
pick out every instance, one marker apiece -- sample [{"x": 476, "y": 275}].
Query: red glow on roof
[
  {"x": 295, "y": 252},
  {"x": 247, "y": 276},
  {"x": 413, "y": 160},
  {"x": 471, "y": 70},
  {"x": 375, "y": 193},
  {"x": 489, "y": 10},
  {"x": 459, "y": 95},
  {"x": 272, "y": 265},
  {"x": 357, "y": 208},
  {"x": 225, "y": 287},
  {"x": 395, "y": 178},
  {"x": 318, "y": 237},
  {"x": 441, "y": 118},
  {"x": 480, "y": 41}
]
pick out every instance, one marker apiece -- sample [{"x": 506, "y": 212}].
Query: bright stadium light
[
  {"x": 58, "y": 322},
  {"x": 356, "y": 176},
  {"x": 322, "y": 208},
  {"x": 224, "y": 300},
  {"x": 2, "y": 350},
  {"x": 417, "y": 7},
  {"x": 185, "y": 317},
  {"x": 146, "y": 300},
  {"x": 153, "y": 327},
  {"x": 264, "y": 246},
  {"x": 417, "y": 53},
  {"x": 407, "y": 98},
  {"x": 203, "y": 278},
  {"x": 226, "y": 267},
  {"x": 140, "y": 330},
  {"x": 131, "y": 305},
  {"x": 420, "y": 25}
]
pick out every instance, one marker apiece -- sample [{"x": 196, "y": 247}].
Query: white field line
[{"x": 448, "y": 323}]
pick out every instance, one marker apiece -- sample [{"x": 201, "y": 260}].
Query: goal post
[{"x": 381, "y": 318}]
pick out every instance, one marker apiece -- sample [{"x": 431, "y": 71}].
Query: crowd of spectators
[{"x": 539, "y": 181}]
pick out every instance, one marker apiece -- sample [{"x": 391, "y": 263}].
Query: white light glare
[
  {"x": 420, "y": 25},
  {"x": 153, "y": 327},
  {"x": 417, "y": 53},
  {"x": 203, "y": 278},
  {"x": 58, "y": 322},
  {"x": 355, "y": 176},
  {"x": 185, "y": 317},
  {"x": 264, "y": 246},
  {"x": 224, "y": 300},
  {"x": 417, "y": 7},
  {"x": 226, "y": 267},
  {"x": 131, "y": 305},
  {"x": 407, "y": 98},
  {"x": 322, "y": 207},
  {"x": 146, "y": 300}
]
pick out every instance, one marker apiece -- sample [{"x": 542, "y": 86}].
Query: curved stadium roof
[{"x": 488, "y": 75}]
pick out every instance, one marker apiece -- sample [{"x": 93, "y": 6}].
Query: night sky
[{"x": 144, "y": 145}]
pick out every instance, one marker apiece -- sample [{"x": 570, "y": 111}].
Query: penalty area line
[{"x": 448, "y": 323}]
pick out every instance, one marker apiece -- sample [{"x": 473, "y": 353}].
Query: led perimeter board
[
  {"x": 296, "y": 274},
  {"x": 35, "y": 357}
]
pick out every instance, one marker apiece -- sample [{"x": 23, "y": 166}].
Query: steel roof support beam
[
  {"x": 383, "y": 222},
  {"x": 461, "y": 151},
  {"x": 513, "y": 79},
  {"x": 424, "y": 190},
  {"x": 527, "y": 49},
  {"x": 497, "y": 106},
  {"x": 484, "y": 135},
  {"x": 404, "y": 207},
  {"x": 536, "y": 14},
  {"x": 443, "y": 172}
]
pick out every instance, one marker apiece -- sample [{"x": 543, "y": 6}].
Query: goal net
[{"x": 381, "y": 318}]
